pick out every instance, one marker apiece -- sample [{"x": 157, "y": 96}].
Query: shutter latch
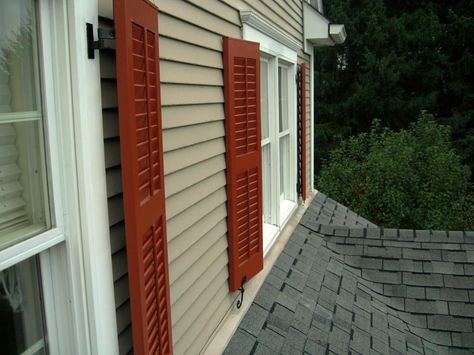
[
  {"x": 106, "y": 39},
  {"x": 242, "y": 290}
]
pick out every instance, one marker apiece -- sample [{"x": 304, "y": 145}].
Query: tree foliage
[
  {"x": 410, "y": 178},
  {"x": 400, "y": 57}
]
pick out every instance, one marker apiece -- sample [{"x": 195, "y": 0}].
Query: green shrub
[{"x": 407, "y": 179}]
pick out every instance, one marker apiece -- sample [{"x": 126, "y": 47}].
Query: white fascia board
[{"x": 316, "y": 27}]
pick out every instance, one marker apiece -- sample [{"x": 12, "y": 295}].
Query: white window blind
[
  {"x": 12, "y": 205},
  {"x": 23, "y": 179}
]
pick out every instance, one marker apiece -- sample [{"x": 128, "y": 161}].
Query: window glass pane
[
  {"x": 23, "y": 188},
  {"x": 264, "y": 98},
  {"x": 21, "y": 310},
  {"x": 18, "y": 70},
  {"x": 283, "y": 98},
  {"x": 284, "y": 166},
  {"x": 267, "y": 193}
]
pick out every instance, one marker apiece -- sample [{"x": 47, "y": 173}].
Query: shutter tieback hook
[{"x": 242, "y": 290}]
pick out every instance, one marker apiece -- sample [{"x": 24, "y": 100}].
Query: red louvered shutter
[
  {"x": 303, "y": 131},
  {"x": 243, "y": 154},
  {"x": 141, "y": 147}
]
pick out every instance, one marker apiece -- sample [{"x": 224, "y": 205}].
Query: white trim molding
[
  {"x": 268, "y": 45},
  {"x": 91, "y": 195},
  {"x": 260, "y": 23}
]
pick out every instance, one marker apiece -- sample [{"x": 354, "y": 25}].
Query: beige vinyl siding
[
  {"x": 195, "y": 182},
  {"x": 292, "y": 5},
  {"x": 190, "y": 155},
  {"x": 201, "y": 228},
  {"x": 194, "y": 163},
  {"x": 175, "y": 94},
  {"x": 178, "y": 51},
  {"x": 189, "y": 115},
  {"x": 179, "y": 180},
  {"x": 190, "y": 135}
]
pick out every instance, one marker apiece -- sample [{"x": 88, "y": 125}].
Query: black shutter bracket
[{"x": 106, "y": 39}]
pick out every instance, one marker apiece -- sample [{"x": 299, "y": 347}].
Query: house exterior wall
[{"x": 191, "y": 70}]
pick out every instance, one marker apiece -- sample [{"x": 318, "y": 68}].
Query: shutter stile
[
  {"x": 303, "y": 131},
  {"x": 243, "y": 155},
  {"x": 141, "y": 146}
]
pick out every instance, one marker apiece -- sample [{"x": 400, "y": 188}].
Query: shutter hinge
[
  {"x": 106, "y": 39},
  {"x": 242, "y": 290}
]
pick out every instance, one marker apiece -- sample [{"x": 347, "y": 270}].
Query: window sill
[
  {"x": 286, "y": 210},
  {"x": 30, "y": 246},
  {"x": 270, "y": 231}
]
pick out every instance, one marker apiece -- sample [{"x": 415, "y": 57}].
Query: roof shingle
[{"x": 342, "y": 285}]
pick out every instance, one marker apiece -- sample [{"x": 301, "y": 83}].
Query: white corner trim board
[
  {"x": 260, "y": 23},
  {"x": 92, "y": 197}
]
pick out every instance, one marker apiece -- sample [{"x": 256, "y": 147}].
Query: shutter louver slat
[
  {"x": 141, "y": 145},
  {"x": 243, "y": 153}
]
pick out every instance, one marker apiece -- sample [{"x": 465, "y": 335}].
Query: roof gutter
[
  {"x": 337, "y": 33},
  {"x": 319, "y": 31}
]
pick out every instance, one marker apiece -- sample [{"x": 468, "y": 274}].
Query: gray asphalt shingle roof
[{"x": 342, "y": 285}]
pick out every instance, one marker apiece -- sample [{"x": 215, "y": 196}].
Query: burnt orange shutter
[
  {"x": 303, "y": 131},
  {"x": 141, "y": 147},
  {"x": 244, "y": 159}
]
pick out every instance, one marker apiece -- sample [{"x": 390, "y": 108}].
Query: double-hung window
[
  {"x": 278, "y": 127},
  {"x": 277, "y": 91},
  {"x": 286, "y": 140},
  {"x": 24, "y": 210}
]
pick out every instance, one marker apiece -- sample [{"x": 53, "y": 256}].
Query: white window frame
[
  {"x": 74, "y": 254},
  {"x": 267, "y": 202},
  {"x": 290, "y": 181},
  {"x": 276, "y": 52},
  {"x": 54, "y": 235}
]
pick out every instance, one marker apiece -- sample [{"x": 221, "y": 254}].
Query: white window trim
[
  {"x": 291, "y": 132},
  {"x": 278, "y": 51},
  {"x": 269, "y": 45},
  {"x": 55, "y": 235}
]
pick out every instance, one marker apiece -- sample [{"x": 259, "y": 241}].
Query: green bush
[{"x": 407, "y": 179}]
